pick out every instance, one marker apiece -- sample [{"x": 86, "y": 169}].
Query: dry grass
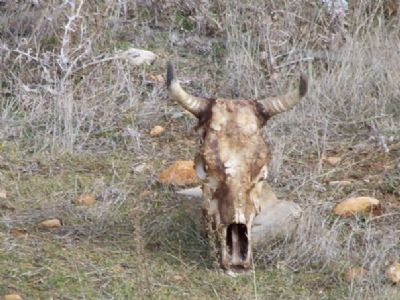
[{"x": 75, "y": 118}]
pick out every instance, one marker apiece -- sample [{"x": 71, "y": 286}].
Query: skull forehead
[
  {"x": 233, "y": 138},
  {"x": 239, "y": 115},
  {"x": 234, "y": 153}
]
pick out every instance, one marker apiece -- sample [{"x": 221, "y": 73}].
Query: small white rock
[{"x": 138, "y": 56}]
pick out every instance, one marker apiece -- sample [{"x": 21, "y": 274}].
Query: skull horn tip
[
  {"x": 303, "y": 85},
  {"x": 170, "y": 74}
]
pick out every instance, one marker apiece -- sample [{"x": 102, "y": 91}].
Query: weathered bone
[
  {"x": 278, "y": 219},
  {"x": 195, "y": 192},
  {"x": 239, "y": 205},
  {"x": 193, "y": 104}
]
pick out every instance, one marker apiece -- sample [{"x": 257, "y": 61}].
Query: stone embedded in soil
[
  {"x": 356, "y": 205},
  {"x": 18, "y": 232},
  {"x": 276, "y": 221},
  {"x": 181, "y": 172},
  {"x": 333, "y": 160},
  {"x": 3, "y": 193},
  {"x": 86, "y": 199},
  {"x": 156, "y": 78},
  {"x": 355, "y": 274},
  {"x": 138, "y": 56},
  {"x": 340, "y": 183},
  {"x": 156, "y": 131},
  {"x": 50, "y": 223},
  {"x": 177, "y": 278},
  {"x": 393, "y": 272},
  {"x": 12, "y": 297}
]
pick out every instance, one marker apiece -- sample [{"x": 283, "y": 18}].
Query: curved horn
[
  {"x": 193, "y": 104},
  {"x": 279, "y": 104}
]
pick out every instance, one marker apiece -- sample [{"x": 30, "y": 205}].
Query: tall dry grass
[{"x": 64, "y": 89}]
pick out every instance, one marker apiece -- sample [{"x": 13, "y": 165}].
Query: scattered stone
[
  {"x": 393, "y": 272},
  {"x": 356, "y": 205},
  {"x": 355, "y": 274},
  {"x": 159, "y": 79},
  {"x": 3, "y": 193},
  {"x": 177, "y": 278},
  {"x": 139, "y": 168},
  {"x": 85, "y": 199},
  {"x": 18, "y": 232},
  {"x": 144, "y": 194},
  {"x": 340, "y": 183},
  {"x": 118, "y": 269},
  {"x": 156, "y": 131},
  {"x": 138, "y": 56},
  {"x": 181, "y": 172},
  {"x": 378, "y": 179},
  {"x": 278, "y": 220},
  {"x": 51, "y": 223},
  {"x": 12, "y": 297},
  {"x": 333, "y": 160}
]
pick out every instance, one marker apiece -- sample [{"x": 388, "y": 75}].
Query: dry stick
[
  {"x": 384, "y": 216},
  {"x": 295, "y": 62},
  {"x": 270, "y": 58},
  {"x": 96, "y": 62},
  {"x": 65, "y": 41},
  {"x": 37, "y": 59}
]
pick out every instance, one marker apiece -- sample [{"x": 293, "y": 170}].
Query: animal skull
[{"x": 233, "y": 163}]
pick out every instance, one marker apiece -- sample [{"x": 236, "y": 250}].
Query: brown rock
[
  {"x": 50, "y": 223},
  {"x": 333, "y": 160},
  {"x": 355, "y": 274},
  {"x": 181, "y": 172},
  {"x": 393, "y": 272},
  {"x": 156, "y": 131},
  {"x": 159, "y": 79},
  {"x": 177, "y": 278},
  {"x": 18, "y": 232},
  {"x": 356, "y": 205},
  {"x": 85, "y": 199},
  {"x": 118, "y": 269},
  {"x": 12, "y": 297}
]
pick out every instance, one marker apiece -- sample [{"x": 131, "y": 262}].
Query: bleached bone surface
[{"x": 195, "y": 192}]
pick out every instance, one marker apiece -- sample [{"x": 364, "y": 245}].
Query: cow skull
[{"x": 232, "y": 164}]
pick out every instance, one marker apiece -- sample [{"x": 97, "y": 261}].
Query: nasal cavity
[{"x": 237, "y": 243}]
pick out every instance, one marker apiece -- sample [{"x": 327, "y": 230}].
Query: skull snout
[{"x": 236, "y": 252}]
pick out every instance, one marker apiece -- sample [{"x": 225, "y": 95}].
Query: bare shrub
[{"x": 59, "y": 86}]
